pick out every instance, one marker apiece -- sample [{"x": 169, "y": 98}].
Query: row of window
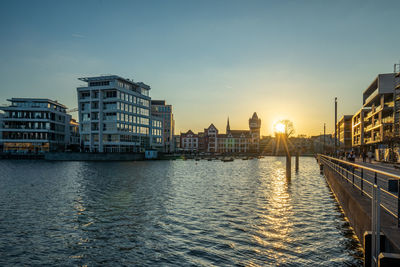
[
  {"x": 157, "y": 140},
  {"x": 116, "y": 127},
  {"x": 156, "y": 132},
  {"x": 116, "y": 116},
  {"x": 162, "y": 109},
  {"x": 156, "y": 124},
  {"x": 116, "y": 94},
  {"x": 116, "y": 138},
  {"x": 37, "y": 105},
  {"x": 34, "y": 115},
  {"x": 102, "y": 83},
  {"x": 33, "y": 136}
]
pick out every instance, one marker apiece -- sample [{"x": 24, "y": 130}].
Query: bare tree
[{"x": 289, "y": 129}]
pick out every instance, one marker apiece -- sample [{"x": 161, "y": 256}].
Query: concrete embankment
[
  {"x": 358, "y": 210},
  {"x": 93, "y": 156}
]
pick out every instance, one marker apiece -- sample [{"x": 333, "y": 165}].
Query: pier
[{"x": 357, "y": 188}]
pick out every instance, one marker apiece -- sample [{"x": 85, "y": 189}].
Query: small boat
[
  {"x": 227, "y": 159},
  {"x": 245, "y": 158}
]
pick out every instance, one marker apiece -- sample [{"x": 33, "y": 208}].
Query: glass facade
[{"x": 122, "y": 109}]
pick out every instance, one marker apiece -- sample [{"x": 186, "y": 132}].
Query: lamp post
[
  {"x": 335, "y": 127},
  {"x": 323, "y": 149}
]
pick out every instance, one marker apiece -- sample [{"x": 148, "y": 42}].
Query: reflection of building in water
[{"x": 233, "y": 141}]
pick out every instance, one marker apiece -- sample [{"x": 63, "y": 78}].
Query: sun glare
[{"x": 279, "y": 127}]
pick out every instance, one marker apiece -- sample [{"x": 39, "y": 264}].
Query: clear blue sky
[{"x": 209, "y": 59}]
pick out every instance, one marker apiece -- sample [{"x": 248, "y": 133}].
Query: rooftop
[
  {"x": 114, "y": 77},
  {"x": 38, "y": 100}
]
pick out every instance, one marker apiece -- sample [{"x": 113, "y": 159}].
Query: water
[{"x": 171, "y": 213}]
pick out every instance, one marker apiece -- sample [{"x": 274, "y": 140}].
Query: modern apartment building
[
  {"x": 160, "y": 109},
  {"x": 157, "y": 133},
  {"x": 357, "y": 133},
  {"x": 177, "y": 143},
  {"x": 35, "y": 125},
  {"x": 379, "y": 121},
  {"x": 114, "y": 114},
  {"x": 344, "y": 129},
  {"x": 74, "y": 137}
]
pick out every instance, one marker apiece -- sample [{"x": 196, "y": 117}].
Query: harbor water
[{"x": 171, "y": 213}]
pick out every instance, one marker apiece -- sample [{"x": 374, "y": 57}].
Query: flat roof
[
  {"x": 27, "y": 99},
  {"x": 374, "y": 83},
  {"x": 114, "y": 77},
  {"x": 158, "y": 102}
]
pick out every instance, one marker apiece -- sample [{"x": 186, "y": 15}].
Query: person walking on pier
[
  {"x": 351, "y": 157},
  {"x": 364, "y": 156}
]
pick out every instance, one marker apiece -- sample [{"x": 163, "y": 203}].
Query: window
[
  {"x": 103, "y": 83},
  {"x": 111, "y": 94}
]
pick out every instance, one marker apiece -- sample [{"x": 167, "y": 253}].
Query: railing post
[
  {"x": 376, "y": 178},
  {"x": 398, "y": 203},
  {"x": 376, "y": 225},
  {"x": 362, "y": 181},
  {"x": 353, "y": 174}
]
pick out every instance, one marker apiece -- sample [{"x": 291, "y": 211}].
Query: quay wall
[
  {"x": 60, "y": 156},
  {"x": 353, "y": 204},
  {"x": 358, "y": 211}
]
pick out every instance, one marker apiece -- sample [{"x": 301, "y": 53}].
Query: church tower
[
  {"x": 228, "y": 127},
  {"x": 255, "y": 125}
]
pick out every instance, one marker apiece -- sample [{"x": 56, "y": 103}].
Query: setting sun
[{"x": 279, "y": 127}]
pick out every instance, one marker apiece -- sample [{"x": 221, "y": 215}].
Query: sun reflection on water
[{"x": 274, "y": 231}]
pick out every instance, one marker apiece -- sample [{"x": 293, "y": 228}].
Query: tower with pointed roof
[
  {"x": 228, "y": 127},
  {"x": 255, "y": 125}
]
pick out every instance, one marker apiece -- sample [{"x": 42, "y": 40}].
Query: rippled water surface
[{"x": 176, "y": 213}]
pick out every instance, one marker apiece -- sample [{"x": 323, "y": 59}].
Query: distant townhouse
[
  {"x": 211, "y": 139},
  {"x": 233, "y": 141},
  {"x": 189, "y": 142},
  {"x": 114, "y": 114},
  {"x": 160, "y": 109},
  {"x": 36, "y": 125},
  {"x": 241, "y": 141}
]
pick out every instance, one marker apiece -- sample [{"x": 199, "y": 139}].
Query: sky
[{"x": 209, "y": 59}]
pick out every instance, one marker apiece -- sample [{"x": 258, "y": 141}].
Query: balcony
[{"x": 389, "y": 105}]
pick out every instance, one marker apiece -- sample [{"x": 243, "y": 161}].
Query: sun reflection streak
[{"x": 275, "y": 228}]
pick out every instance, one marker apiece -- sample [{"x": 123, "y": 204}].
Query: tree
[
  {"x": 283, "y": 130},
  {"x": 284, "y": 127}
]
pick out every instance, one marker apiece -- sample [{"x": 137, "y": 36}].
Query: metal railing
[{"x": 365, "y": 178}]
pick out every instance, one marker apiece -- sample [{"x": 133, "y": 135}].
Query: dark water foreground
[{"x": 174, "y": 213}]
